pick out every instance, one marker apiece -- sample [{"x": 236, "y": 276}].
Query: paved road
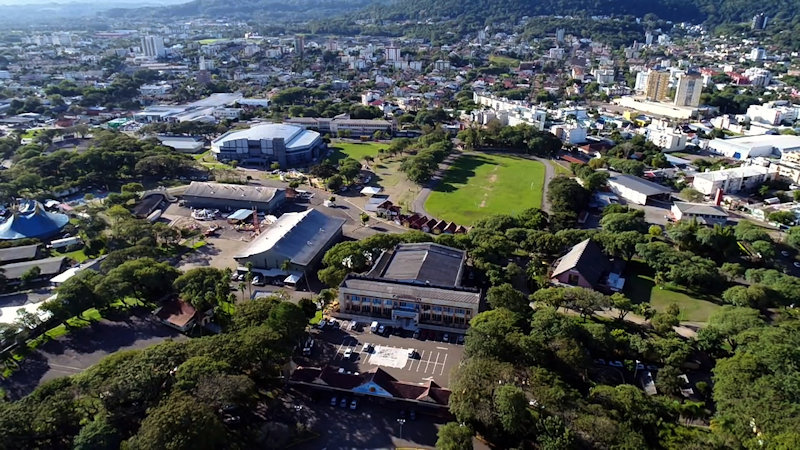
[
  {"x": 419, "y": 203},
  {"x": 83, "y": 348}
]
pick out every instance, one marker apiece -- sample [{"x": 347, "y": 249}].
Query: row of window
[{"x": 376, "y": 302}]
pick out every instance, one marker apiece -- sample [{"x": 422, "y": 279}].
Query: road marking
[
  {"x": 443, "y": 364},
  {"x": 59, "y": 366},
  {"x": 436, "y": 363},
  {"x": 441, "y": 348},
  {"x": 428, "y": 363},
  {"x": 419, "y": 362}
]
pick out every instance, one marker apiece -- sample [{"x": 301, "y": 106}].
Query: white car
[
  {"x": 381, "y": 329},
  {"x": 348, "y": 353},
  {"x": 353, "y": 404}
]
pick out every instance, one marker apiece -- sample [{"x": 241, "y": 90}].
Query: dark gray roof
[
  {"x": 422, "y": 263},
  {"x": 638, "y": 184},
  {"x": 223, "y": 191},
  {"x": 18, "y": 253},
  {"x": 399, "y": 289},
  {"x": 48, "y": 266},
  {"x": 298, "y": 237},
  {"x": 700, "y": 209},
  {"x": 587, "y": 258}
]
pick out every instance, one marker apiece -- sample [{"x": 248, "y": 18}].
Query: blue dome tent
[{"x": 32, "y": 221}]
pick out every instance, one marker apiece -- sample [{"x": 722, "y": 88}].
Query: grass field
[
  {"x": 478, "y": 186},
  {"x": 641, "y": 288},
  {"x": 503, "y": 61},
  {"x": 355, "y": 150}
]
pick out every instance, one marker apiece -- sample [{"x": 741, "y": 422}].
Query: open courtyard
[{"x": 480, "y": 185}]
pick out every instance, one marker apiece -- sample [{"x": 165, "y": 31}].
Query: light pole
[{"x": 401, "y": 422}]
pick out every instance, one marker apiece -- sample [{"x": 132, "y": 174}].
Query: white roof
[
  {"x": 293, "y": 135},
  {"x": 297, "y": 236},
  {"x": 736, "y": 172},
  {"x": 371, "y": 190},
  {"x": 9, "y": 313}
]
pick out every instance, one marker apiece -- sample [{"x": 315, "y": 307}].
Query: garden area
[
  {"x": 355, "y": 150},
  {"x": 479, "y": 186},
  {"x": 640, "y": 287}
]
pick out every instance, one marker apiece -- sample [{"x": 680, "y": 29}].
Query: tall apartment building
[
  {"x": 657, "y": 86},
  {"x": 392, "y": 53},
  {"x": 688, "y": 90},
  {"x": 299, "y": 45},
  {"x": 759, "y": 22},
  {"x": 153, "y": 47}
]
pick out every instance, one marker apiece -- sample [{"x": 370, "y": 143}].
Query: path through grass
[{"x": 482, "y": 185}]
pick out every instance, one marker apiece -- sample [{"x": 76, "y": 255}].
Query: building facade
[
  {"x": 688, "y": 90},
  {"x": 413, "y": 286},
  {"x": 732, "y": 180},
  {"x": 288, "y": 145},
  {"x": 657, "y": 86}
]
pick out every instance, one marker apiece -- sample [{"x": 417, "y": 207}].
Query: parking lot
[{"x": 360, "y": 350}]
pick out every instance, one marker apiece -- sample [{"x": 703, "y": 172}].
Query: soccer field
[
  {"x": 355, "y": 150},
  {"x": 477, "y": 186}
]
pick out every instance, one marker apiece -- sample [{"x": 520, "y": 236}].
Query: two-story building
[{"x": 413, "y": 286}]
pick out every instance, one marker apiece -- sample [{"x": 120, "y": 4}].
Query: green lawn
[
  {"x": 77, "y": 255},
  {"x": 503, "y": 61},
  {"x": 559, "y": 169},
  {"x": 478, "y": 186},
  {"x": 641, "y": 288},
  {"x": 209, "y": 41},
  {"x": 355, "y": 150}
]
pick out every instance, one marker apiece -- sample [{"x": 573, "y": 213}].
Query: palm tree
[
  {"x": 249, "y": 278},
  {"x": 241, "y": 288}
]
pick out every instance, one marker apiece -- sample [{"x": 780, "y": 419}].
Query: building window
[{"x": 573, "y": 279}]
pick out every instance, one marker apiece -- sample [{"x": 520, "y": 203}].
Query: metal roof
[
  {"x": 222, "y": 191},
  {"x": 585, "y": 257},
  {"x": 399, "y": 289},
  {"x": 638, "y": 184},
  {"x": 425, "y": 263},
  {"x": 294, "y": 136},
  {"x": 700, "y": 209},
  {"x": 48, "y": 266},
  {"x": 298, "y": 237}
]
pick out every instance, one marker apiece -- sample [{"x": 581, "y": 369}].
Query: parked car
[
  {"x": 368, "y": 347},
  {"x": 460, "y": 339},
  {"x": 258, "y": 281},
  {"x": 446, "y": 337},
  {"x": 343, "y": 403},
  {"x": 353, "y": 404},
  {"x": 381, "y": 329},
  {"x": 333, "y": 401},
  {"x": 412, "y": 414},
  {"x": 348, "y": 353},
  {"x": 416, "y": 334},
  {"x": 412, "y": 353}
]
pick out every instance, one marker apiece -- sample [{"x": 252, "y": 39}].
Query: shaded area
[{"x": 84, "y": 347}]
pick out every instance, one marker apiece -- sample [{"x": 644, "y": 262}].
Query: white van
[{"x": 374, "y": 326}]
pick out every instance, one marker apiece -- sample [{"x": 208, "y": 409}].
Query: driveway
[{"x": 83, "y": 348}]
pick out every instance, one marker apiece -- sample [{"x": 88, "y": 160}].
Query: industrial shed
[{"x": 230, "y": 197}]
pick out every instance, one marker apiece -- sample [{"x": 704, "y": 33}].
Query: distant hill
[
  {"x": 713, "y": 12},
  {"x": 289, "y": 10}
]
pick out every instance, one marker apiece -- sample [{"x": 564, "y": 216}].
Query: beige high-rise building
[
  {"x": 688, "y": 90},
  {"x": 657, "y": 86}
]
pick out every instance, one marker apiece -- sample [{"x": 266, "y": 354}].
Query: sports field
[
  {"x": 477, "y": 186},
  {"x": 355, "y": 150}
]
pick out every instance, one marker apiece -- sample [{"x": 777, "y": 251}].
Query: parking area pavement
[{"x": 360, "y": 350}]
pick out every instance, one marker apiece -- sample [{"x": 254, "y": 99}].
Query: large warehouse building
[
  {"x": 637, "y": 190},
  {"x": 412, "y": 286},
  {"x": 230, "y": 197},
  {"x": 301, "y": 238},
  {"x": 288, "y": 145},
  {"x": 766, "y": 145}
]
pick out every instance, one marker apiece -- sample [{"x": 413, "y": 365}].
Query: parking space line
[
  {"x": 441, "y": 348},
  {"x": 443, "y": 364},
  {"x": 428, "y": 363},
  {"x": 436, "y": 363},
  {"x": 413, "y": 360}
]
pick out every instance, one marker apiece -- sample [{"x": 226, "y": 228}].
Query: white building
[
  {"x": 732, "y": 180},
  {"x": 755, "y": 146},
  {"x": 702, "y": 213},
  {"x": 603, "y": 76},
  {"x": 154, "y": 90},
  {"x": 556, "y": 53},
  {"x": 757, "y": 54},
  {"x": 512, "y": 112},
  {"x": 227, "y": 113},
  {"x": 637, "y": 190},
  {"x": 571, "y": 133},
  {"x": 641, "y": 82},
  {"x": 758, "y": 76},
  {"x": 392, "y": 53},
  {"x": 153, "y": 47},
  {"x": 773, "y": 113},
  {"x": 369, "y": 96}
]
